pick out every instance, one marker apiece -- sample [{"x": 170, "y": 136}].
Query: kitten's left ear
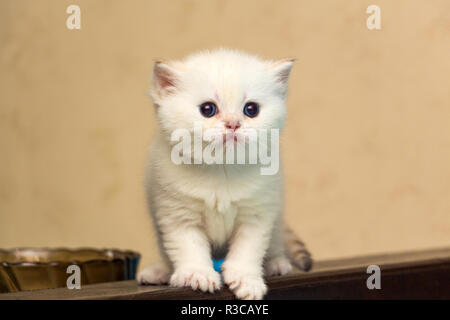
[
  {"x": 166, "y": 77},
  {"x": 282, "y": 69}
]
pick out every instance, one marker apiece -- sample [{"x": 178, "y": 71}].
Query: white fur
[{"x": 201, "y": 211}]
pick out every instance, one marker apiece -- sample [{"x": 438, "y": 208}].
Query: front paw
[
  {"x": 246, "y": 285},
  {"x": 204, "y": 279}
]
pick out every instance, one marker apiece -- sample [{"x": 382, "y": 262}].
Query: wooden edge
[{"x": 409, "y": 275}]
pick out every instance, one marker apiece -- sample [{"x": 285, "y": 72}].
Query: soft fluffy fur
[{"x": 204, "y": 211}]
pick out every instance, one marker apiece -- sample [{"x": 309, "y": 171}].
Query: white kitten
[{"x": 202, "y": 211}]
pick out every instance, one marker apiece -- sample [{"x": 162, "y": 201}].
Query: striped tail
[{"x": 297, "y": 251}]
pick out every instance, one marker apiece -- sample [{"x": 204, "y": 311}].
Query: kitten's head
[{"x": 227, "y": 90}]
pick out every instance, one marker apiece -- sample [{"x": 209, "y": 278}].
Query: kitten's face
[{"x": 222, "y": 90}]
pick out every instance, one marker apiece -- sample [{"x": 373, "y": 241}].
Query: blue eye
[
  {"x": 208, "y": 109},
  {"x": 251, "y": 109}
]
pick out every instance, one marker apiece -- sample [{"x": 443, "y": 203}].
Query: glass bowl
[{"x": 43, "y": 268}]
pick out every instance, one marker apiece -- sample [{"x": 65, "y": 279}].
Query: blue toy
[{"x": 218, "y": 264}]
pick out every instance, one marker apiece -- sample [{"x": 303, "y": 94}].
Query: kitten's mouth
[{"x": 230, "y": 137}]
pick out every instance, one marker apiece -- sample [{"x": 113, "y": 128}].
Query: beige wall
[{"x": 367, "y": 145}]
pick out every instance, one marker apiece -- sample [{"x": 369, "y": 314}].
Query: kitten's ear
[
  {"x": 165, "y": 79},
  {"x": 282, "y": 69}
]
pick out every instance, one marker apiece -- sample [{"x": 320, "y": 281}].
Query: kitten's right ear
[
  {"x": 165, "y": 79},
  {"x": 282, "y": 69}
]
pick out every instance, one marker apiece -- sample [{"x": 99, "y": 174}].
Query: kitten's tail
[{"x": 297, "y": 251}]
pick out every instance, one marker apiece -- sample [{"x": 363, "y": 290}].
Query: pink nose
[{"x": 232, "y": 125}]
